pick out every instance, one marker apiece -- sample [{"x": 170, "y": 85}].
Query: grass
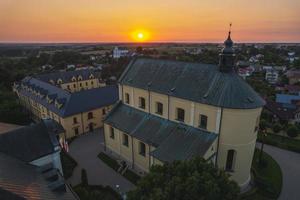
[
  {"x": 109, "y": 161},
  {"x": 96, "y": 192},
  {"x": 68, "y": 164},
  {"x": 129, "y": 174},
  {"x": 281, "y": 142},
  {"x": 267, "y": 176}
]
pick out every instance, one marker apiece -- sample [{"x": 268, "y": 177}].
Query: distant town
[{"x": 93, "y": 119}]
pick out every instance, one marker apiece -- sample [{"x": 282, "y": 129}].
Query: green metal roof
[
  {"x": 202, "y": 83},
  {"x": 173, "y": 141}
]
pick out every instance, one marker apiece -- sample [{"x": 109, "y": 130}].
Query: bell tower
[{"x": 227, "y": 56}]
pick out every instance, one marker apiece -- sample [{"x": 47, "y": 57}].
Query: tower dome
[
  {"x": 227, "y": 56},
  {"x": 228, "y": 49}
]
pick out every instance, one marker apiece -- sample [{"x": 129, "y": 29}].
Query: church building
[{"x": 172, "y": 110}]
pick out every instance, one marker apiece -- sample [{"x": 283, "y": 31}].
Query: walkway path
[
  {"x": 85, "y": 150},
  {"x": 290, "y": 167}
]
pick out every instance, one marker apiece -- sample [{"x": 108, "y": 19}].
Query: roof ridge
[{"x": 127, "y": 68}]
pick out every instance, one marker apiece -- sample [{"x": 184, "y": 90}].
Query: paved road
[
  {"x": 290, "y": 167},
  {"x": 85, "y": 150}
]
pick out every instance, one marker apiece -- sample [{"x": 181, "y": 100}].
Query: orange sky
[{"x": 163, "y": 20}]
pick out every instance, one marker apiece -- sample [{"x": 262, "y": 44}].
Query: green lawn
[
  {"x": 68, "y": 164},
  {"x": 268, "y": 178},
  {"x": 281, "y": 142},
  {"x": 96, "y": 192}
]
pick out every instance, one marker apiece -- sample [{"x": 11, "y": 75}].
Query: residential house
[
  {"x": 292, "y": 89},
  {"x": 279, "y": 112},
  {"x": 271, "y": 76},
  {"x": 293, "y": 75}
]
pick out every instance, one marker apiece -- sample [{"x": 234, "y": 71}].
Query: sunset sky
[{"x": 159, "y": 20}]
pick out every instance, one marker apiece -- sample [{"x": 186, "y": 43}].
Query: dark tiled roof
[
  {"x": 279, "y": 110},
  {"x": 31, "y": 142},
  {"x": 174, "y": 141},
  {"x": 202, "y": 83},
  {"x": 19, "y": 180},
  {"x": 5, "y": 127},
  {"x": 72, "y": 103},
  {"x": 66, "y": 76},
  {"x": 292, "y": 88},
  {"x": 91, "y": 99}
]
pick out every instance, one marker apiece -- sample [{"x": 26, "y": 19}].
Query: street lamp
[{"x": 264, "y": 134}]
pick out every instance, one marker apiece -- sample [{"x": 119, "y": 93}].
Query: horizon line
[{"x": 149, "y": 42}]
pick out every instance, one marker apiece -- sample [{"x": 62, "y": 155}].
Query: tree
[
  {"x": 185, "y": 180},
  {"x": 84, "y": 178},
  {"x": 292, "y": 131},
  {"x": 139, "y": 49},
  {"x": 284, "y": 80},
  {"x": 262, "y": 124}
]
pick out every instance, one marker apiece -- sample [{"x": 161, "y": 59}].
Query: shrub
[
  {"x": 292, "y": 131},
  {"x": 263, "y": 124},
  {"x": 277, "y": 128},
  {"x": 84, "y": 178}
]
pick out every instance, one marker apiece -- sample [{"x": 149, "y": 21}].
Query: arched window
[{"x": 230, "y": 161}]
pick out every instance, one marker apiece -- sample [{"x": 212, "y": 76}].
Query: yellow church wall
[
  {"x": 142, "y": 162},
  {"x": 238, "y": 133},
  {"x": 192, "y": 109}
]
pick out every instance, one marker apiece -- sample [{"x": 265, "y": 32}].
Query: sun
[{"x": 140, "y": 35}]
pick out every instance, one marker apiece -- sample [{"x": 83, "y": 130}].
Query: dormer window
[
  {"x": 73, "y": 78},
  {"x": 59, "y": 81},
  {"x": 79, "y": 78},
  {"x": 91, "y": 76}
]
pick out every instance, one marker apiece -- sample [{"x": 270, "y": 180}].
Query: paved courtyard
[
  {"x": 85, "y": 150},
  {"x": 290, "y": 166}
]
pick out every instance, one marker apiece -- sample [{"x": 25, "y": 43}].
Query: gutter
[
  {"x": 219, "y": 135},
  {"x": 168, "y": 107},
  {"x": 82, "y": 126},
  {"x": 132, "y": 152}
]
